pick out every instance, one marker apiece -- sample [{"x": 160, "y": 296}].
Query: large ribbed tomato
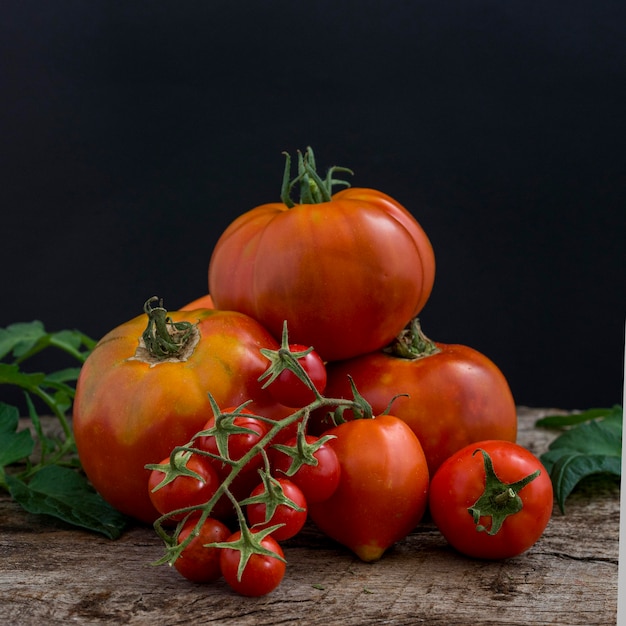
[
  {"x": 135, "y": 402},
  {"x": 454, "y": 395},
  {"x": 347, "y": 271}
]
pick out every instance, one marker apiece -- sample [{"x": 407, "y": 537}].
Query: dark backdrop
[{"x": 132, "y": 133}]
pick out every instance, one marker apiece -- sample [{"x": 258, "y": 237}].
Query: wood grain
[{"x": 52, "y": 574}]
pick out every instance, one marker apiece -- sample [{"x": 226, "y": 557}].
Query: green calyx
[
  {"x": 313, "y": 188},
  {"x": 165, "y": 339},
  {"x": 412, "y": 343},
  {"x": 499, "y": 499}
]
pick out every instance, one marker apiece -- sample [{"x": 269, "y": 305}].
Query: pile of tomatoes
[{"x": 303, "y": 387}]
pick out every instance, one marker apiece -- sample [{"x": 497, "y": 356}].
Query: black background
[{"x": 132, "y": 133}]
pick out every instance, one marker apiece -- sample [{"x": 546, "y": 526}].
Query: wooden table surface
[{"x": 52, "y": 574}]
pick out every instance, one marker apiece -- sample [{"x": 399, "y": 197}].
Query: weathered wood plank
[{"x": 50, "y": 573}]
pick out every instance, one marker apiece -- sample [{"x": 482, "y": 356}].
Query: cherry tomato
[
  {"x": 196, "y": 562},
  {"x": 261, "y": 574},
  {"x": 468, "y": 502},
  {"x": 293, "y": 519},
  {"x": 383, "y": 489},
  {"x": 317, "y": 482},
  {"x": 290, "y": 390},
  {"x": 133, "y": 406},
  {"x": 238, "y": 443},
  {"x": 454, "y": 395},
  {"x": 183, "y": 491},
  {"x": 346, "y": 271}
]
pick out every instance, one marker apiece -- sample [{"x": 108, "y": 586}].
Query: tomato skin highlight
[
  {"x": 404, "y": 217},
  {"x": 196, "y": 562},
  {"x": 345, "y": 274},
  {"x": 455, "y": 397},
  {"x": 383, "y": 490},
  {"x": 262, "y": 573},
  {"x": 128, "y": 414},
  {"x": 460, "y": 481}
]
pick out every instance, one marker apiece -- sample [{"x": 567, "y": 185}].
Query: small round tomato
[
  {"x": 196, "y": 562},
  {"x": 288, "y": 389},
  {"x": 383, "y": 489},
  {"x": 183, "y": 491},
  {"x": 317, "y": 481},
  {"x": 287, "y": 506},
  {"x": 242, "y": 433},
  {"x": 491, "y": 500},
  {"x": 262, "y": 573}
]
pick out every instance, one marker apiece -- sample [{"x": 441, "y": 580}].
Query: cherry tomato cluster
[{"x": 265, "y": 492}]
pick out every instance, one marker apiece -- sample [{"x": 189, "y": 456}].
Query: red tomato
[
  {"x": 203, "y": 302},
  {"x": 262, "y": 573},
  {"x": 471, "y": 525},
  {"x": 346, "y": 273},
  {"x": 383, "y": 489},
  {"x": 131, "y": 409},
  {"x": 455, "y": 396},
  {"x": 183, "y": 491},
  {"x": 290, "y": 390},
  {"x": 317, "y": 482},
  {"x": 197, "y": 562},
  {"x": 238, "y": 443},
  {"x": 291, "y": 518}
]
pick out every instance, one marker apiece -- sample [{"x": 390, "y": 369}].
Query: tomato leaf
[
  {"x": 14, "y": 446},
  {"x": 20, "y": 338},
  {"x": 65, "y": 494},
  {"x": 591, "y": 447}
]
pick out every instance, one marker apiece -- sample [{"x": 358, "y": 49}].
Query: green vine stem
[
  {"x": 499, "y": 499},
  {"x": 313, "y": 188},
  {"x": 164, "y": 338},
  {"x": 412, "y": 343}
]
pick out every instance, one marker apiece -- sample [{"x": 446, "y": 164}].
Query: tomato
[
  {"x": 203, "y": 302},
  {"x": 455, "y": 395},
  {"x": 288, "y": 389},
  {"x": 292, "y": 518},
  {"x": 347, "y": 271},
  {"x": 132, "y": 408},
  {"x": 383, "y": 490},
  {"x": 196, "y": 562},
  {"x": 318, "y": 482},
  {"x": 184, "y": 490},
  {"x": 246, "y": 432},
  {"x": 262, "y": 573},
  {"x": 471, "y": 525}
]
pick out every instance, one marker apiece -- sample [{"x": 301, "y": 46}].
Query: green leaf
[
  {"x": 20, "y": 338},
  {"x": 11, "y": 375},
  {"x": 14, "y": 446},
  {"x": 572, "y": 419},
  {"x": 65, "y": 494},
  {"x": 593, "y": 447}
]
